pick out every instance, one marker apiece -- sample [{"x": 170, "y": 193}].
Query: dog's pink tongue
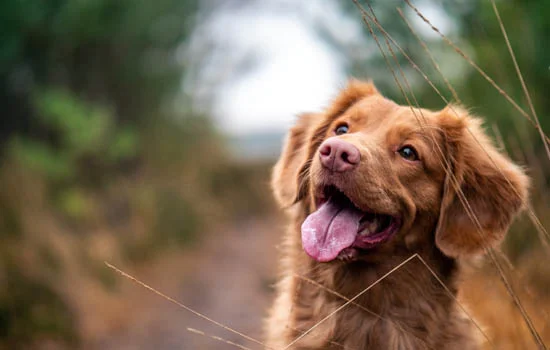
[{"x": 329, "y": 230}]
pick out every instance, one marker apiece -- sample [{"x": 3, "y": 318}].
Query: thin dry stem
[
  {"x": 429, "y": 53},
  {"x": 543, "y": 235},
  {"x": 460, "y": 194},
  {"x": 349, "y": 301},
  {"x": 476, "y": 67},
  {"x": 540, "y": 228},
  {"x": 173, "y": 301},
  {"x": 330, "y": 341},
  {"x": 396, "y": 324},
  {"x": 215, "y": 337},
  {"x": 456, "y": 300},
  {"x": 520, "y": 76}
]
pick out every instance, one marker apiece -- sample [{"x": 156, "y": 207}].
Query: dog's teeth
[{"x": 370, "y": 227}]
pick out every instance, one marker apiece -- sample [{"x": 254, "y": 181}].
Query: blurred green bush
[{"x": 84, "y": 148}]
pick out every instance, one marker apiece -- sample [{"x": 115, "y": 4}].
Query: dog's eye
[
  {"x": 341, "y": 129},
  {"x": 408, "y": 153}
]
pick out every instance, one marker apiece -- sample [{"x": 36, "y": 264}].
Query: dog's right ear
[
  {"x": 285, "y": 178},
  {"x": 483, "y": 194}
]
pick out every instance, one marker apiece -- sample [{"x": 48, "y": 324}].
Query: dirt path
[{"x": 227, "y": 278}]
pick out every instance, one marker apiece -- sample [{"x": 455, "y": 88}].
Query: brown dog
[{"x": 368, "y": 184}]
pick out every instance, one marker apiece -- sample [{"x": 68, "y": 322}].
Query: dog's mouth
[{"x": 338, "y": 228}]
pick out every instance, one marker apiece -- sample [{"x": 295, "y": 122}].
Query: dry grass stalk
[
  {"x": 476, "y": 67},
  {"x": 455, "y": 184},
  {"x": 215, "y": 337},
  {"x": 491, "y": 253},
  {"x": 349, "y": 301},
  {"x": 520, "y": 76},
  {"x": 173, "y": 301}
]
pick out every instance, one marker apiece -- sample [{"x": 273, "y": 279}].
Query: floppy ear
[
  {"x": 494, "y": 189},
  {"x": 285, "y": 176}
]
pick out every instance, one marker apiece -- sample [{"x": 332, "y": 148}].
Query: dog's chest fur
[{"x": 406, "y": 310}]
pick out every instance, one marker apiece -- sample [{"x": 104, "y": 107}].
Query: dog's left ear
[
  {"x": 483, "y": 190},
  {"x": 285, "y": 178}
]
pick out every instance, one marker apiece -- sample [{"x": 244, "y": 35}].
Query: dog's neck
[{"x": 394, "y": 302}]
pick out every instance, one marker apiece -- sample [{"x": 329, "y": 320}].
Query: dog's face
[{"x": 375, "y": 177}]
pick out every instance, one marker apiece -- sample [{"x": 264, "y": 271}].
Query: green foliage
[
  {"x": 81, "y": 84},
  {"x": 84, "y": 135},
  {"x": 82, "y": 128},
  {"x": 118, "y": 51},
  {"x": 39, "y": 157}
]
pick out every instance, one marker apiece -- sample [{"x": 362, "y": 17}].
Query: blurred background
[{"x": 142, "y": 133}]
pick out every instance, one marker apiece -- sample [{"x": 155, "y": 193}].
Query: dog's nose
[{"x": 338, "y": 155}]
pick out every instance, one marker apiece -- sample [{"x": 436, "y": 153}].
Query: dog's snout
[{"x": 338, "y": 155}]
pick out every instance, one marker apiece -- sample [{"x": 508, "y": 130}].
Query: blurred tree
[
  {"x": 82, "y": 80},
  {"x": 81, "y": 83},
  {"x": 385, "y": 66},
  {"x": 120, "y": 54},
  {"x": 474, "y": 27},
  {"x": 528, "y": 30}
]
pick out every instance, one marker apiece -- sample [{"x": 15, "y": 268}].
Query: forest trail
[{"x": 228, "y": 277}]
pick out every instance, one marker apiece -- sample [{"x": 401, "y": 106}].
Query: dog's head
[{"x": 373, "y": 175}]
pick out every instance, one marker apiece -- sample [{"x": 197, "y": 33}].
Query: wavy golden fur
[{"x": 457, "y": 201}]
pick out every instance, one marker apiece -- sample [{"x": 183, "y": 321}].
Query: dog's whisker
[
  {"x": 187, "y": 308},
  {"x": 350, "y": 301},
  {"x": 215, "y": 337}
]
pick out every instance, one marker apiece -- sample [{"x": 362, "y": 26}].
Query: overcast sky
[
  {"x": 256, "y": 64},
  {"x": 272, "y": 64}
]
